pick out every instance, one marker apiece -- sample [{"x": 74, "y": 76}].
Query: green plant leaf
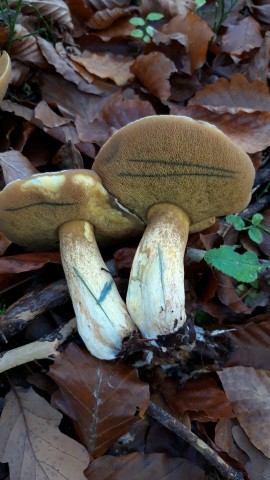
[
  {"x": 200, "y": 3},
  {"x": 136, "y": 33},
  {"x": 147, "y": 39},
  {"x": 255, "y": 234},
  {"x": 153, "y": 17},
  {"x": 137, "y": 21},
  {"x": 243, "y": 268},
  {"x": 257, "y": 219},
  {"x": 150, "y": 30},
  {"x": 237, "y": 222}
]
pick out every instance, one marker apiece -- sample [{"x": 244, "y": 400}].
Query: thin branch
[
  {"x": 45, "y": 347},
  {"x": 168, "y": 421}
]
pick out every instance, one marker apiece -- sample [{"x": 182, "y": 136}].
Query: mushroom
[
  {"x": 177, "y": 175},
  {"x": 73, "y": 208},
  {"x": 5, "y": 71}
]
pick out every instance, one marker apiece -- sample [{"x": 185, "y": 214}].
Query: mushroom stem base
[
  {"x": 156, "y": 294},
  {"x": 102, "y": 317}
]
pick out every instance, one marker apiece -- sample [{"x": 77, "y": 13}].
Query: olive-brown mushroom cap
[
  {"x": 5, "y": 71},
  {"x": 32, "y": 210},
  {"x": 177, "y": 160}
]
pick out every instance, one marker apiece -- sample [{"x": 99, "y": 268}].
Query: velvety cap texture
[
  {"x": 178, "y": 160},
  {"x": 32, "y": 210}
]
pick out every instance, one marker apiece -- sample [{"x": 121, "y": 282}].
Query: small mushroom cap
[
  {"x": 5, "y": 71},
  {"x": 177, "y": 160},
  {"x": 32, "y": 210}
]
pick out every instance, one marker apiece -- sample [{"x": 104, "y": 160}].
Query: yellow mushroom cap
[
  {"x": 177, "y": 160},
  {"x": 5, "y": 71},
  {"x": 32, "y": 210}
]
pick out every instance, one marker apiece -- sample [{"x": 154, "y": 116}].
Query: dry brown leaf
[
  {"x": 47, "y": 116},
  {"x": 105, "y": 18},
  {"x": 103, "y": 4},
  {"x": 69, "y": 100},
  {"x": 143, "y": 467},
  {"x": 154, "y": 71},
  {"x": 248, "y": 130},
  {"x": 258, "y": 65},
  {"x": 32, "y": 444},
  {"x": 54, "y": 11},
  {"x": 63, "y": 68},
  {"x": 15, "y": 166},
  {"x": 251, "y": 345},
  {"x": 234, "y": 95},
  {"x": 260, "y": 9},
  {"x": 107, "y": 65},
  {"x": 226, "y": 292},
  {"x": 203, "y": 397},
  {"x": 242, "y": 37},
  {"x": 168, "y": 7},
  {"x": 258, "y": 468},
  {"x": 102, "y": 398},
  {"x": 80, "y": 9},
  {"x": 26, "y": 262},
  {"x": 4, "y": 243},
  {"x": 249, "y": 392},
  {"x": 27, "y": 49},
  {"x": 198, "y": 33},
  {"x": 225, "y": 442},
  {"x": 124, "y": 108}
]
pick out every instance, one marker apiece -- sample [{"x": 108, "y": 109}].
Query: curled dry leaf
[
  {"x": 63, "y": 68},
  {"x": 198, "y": 33},
  {"x": 202, "y": 397},
  {"x": 260, "y": 9},
  {"x": 168, "y": 7},
  {"x": 154, "y": 71},
  {"x": 258, "y": 466},
  {"x": 54, "y": 11},
  {"x": 251, "y": 345},
  {"x": 248, "y": 130},
  {"x": 15, "y": 166},
  {"x": 226, "y": 292},
  {"x": 32, "y": 444},
  {"x": 110, "y": 4},
  {"x": 234, "y": 95},
  {"x": 248, "y": 391},
  {"x": 138, "y": 465},
  {"x": 105, "y": 18},
  {"x": 107, "y": 65},
  {"x": 26, "y": 262},
  {"x": 258, "y": 66},
  {"x": 47, "y": 116},
  {"x": 27, "y": 49},
  {"x": 242, "y": 37},
  {"x": 123, "y": 109},
  {"x": 102, "y": 398}
]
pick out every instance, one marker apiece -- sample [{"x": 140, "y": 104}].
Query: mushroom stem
[
  {"x": 5, "y": 71},
  {"x": 102, "y": 317},
  {"x": 156, "y": 293}
]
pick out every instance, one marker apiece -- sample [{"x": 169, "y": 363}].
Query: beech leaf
[
  {"x": 32, "y": 444},
  {"x": 244, "y": 267}
]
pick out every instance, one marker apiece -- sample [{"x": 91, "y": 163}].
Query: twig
[
  {"x": 229, "y": 473},
  {"x": 42, "y": 348}
]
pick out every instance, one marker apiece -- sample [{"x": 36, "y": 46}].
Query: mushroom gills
[{"x": 156, "y": 295}]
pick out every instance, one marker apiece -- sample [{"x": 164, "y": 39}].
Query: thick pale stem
[
  {"x": 102, "y": 317},
  {"x": 156, "y": 293}
]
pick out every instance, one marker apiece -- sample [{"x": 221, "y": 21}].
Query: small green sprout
[
  {"x": 253, "y": 226},
  {"x": 145, "y": 31}
]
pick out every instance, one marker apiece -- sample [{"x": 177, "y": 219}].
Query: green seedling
[
  {"x": 220, "y": 11},
  {"x": 253, "y": 226},
  {"x": 8, "y": 17},
  {"x": 143, "y": 30}
]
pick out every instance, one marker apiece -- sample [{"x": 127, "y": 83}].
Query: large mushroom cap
[
  {"x": 177, "y": 160},
  {"x": 32, "y": 210},
  {"x": 5, "y": 71}
]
